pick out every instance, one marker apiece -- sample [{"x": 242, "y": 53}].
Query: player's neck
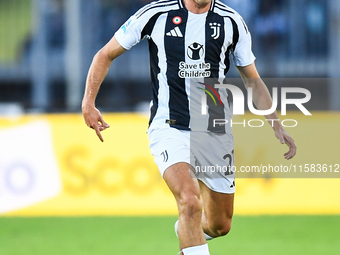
[{"x": 197, "y": 6}]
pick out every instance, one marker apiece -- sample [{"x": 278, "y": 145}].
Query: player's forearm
[
  {"x": 263, "y": 101},
  {"x": 96, "y": 75}
]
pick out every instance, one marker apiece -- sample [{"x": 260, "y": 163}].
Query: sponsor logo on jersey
[
  {"x": 177, "y": 20},
  {"x": 195, "y": 51},
  {"x": 190, "y": 70},
  {"x": 176, "y": 32}
]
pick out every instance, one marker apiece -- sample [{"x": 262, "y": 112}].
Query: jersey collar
[
  {"x": 212, "y": 5},
  {"x": 181, "y": 4}
]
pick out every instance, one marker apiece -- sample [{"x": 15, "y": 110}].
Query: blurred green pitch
[{"x": 154, "y": 235}]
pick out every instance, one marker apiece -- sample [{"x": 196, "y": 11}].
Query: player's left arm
[{"x": 263, "y": 101}]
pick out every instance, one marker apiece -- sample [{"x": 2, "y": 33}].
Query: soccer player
[{"x": 188, "y": 39}]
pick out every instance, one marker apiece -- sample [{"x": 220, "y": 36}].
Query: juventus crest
[{"x": 216, "y": 27}]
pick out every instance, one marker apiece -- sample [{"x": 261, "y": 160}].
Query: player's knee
[
  {"x": 189, "y": 203},
  {"x": 222, "y": 228}
]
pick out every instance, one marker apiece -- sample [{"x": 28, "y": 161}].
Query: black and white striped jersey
[{"x": 186, "y": 51}]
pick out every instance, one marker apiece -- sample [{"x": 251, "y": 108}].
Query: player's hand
[
  {"x": 94, "y": 119},
  {"x": 285, "y": 138}
]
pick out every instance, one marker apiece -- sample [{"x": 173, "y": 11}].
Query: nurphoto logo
[{"x": 239, "y": 102}]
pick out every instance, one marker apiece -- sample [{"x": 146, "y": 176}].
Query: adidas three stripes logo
[{"x": 176, "y": 32}]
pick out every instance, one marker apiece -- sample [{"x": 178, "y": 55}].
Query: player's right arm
[
  {"x": 96, "y": 75},
  {"x": 132, "y": 32}
]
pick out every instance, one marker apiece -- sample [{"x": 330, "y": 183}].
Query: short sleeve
[
  {"x": 242, "y": 54},
  {"x": 130, "y": 33},
  {"x": 138, "y": 26}
]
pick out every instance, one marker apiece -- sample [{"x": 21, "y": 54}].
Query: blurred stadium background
[{"x": 54, "y": 172}]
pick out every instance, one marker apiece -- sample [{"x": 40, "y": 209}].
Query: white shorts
[{"x": 210, "y": 154}]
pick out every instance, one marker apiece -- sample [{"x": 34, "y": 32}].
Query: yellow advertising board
[{"x": 119, "y": 176}]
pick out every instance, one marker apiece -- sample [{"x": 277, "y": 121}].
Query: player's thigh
[
  {"x": 180, "y": 181},
  {"x": 218, "y": 207}
]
